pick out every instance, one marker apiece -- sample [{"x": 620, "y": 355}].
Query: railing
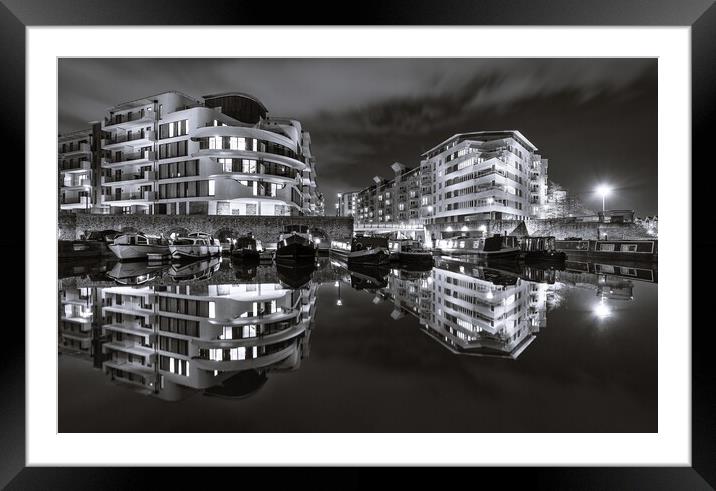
[
  {"x": 126, "y": 118},
  {"x": 124, "y": 196},
  {"x": 80, "y": 148},
  {"x": 77, "y": 183},
  {"x": 146, "y": 175},
  {"x": 74, "y": 201},
  {"x": 393, "y": 225},
  {"x": 144, "y": 135},
  {"x": 130, "y": 157},
  {"x": 81, "y": 164}
]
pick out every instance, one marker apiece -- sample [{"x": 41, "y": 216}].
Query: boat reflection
[
  {"x": 136, "y": 273},
  {"x": 194, "y": 271}
]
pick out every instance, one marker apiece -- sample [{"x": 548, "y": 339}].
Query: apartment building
[
  {"x": 392, "y": 204},
  {"x": 347, "y": 204},
  {"x": 172, "y": 340},
  {"x": 172, "y": 154},
  {"x": 78, "y": 157},
  {"x": 474, "y": 177}
]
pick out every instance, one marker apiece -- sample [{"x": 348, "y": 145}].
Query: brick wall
[
  {"x": 563, "y": 228},
  {"x": 264, "y": 228}
]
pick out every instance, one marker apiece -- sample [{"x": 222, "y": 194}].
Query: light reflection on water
[{"x": 219, "y": 329}]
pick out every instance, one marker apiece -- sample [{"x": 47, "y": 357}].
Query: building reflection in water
[
  {"x": 490, "y": 310},
  {"x": 179, "y": 334},
  {"x": 222, "y": 329}
]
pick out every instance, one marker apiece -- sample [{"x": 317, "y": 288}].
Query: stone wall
[
  {"x": 563, "y": 228},
  {"x": 66, "y": 226},
  {"x": 264, "y": 228}
]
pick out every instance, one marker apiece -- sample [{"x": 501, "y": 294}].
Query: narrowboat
[
  {"x": 133, "y": 247},
  {"x": 497, "y": 246},
  {"x": 295, "y": 244},
  {"x": 408, "y": 251},
  {"x": 361, "y": 250},
  {"x": 194, "y": 246},
  {"x": 537, "y": 249},
  {"x": 620, "y": 249},
  {"x": 245, "y": 249}
]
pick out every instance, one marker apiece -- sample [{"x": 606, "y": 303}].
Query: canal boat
[
  {"x": 194, "y": 247},
  {"x": 246, "y": 249},
  {"x": 622, "y": 249},
  {"x": 361, "y": 250},
  {"x": 539, "y": 249},
  {"x": 410, "y": 252},
  {"x": 497, "y": 246},
  {"x": 133, "y": 247},
  {"x": 295, "y": 244}
]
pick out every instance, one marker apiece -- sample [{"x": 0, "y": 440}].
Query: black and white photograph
[{"x": 357, "y": 245}]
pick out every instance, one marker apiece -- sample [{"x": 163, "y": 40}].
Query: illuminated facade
[
  {"x": 172, "y": 154},
  {"x": 480, "y": 176},
  {"x": 391, "y": 205},
  {"x": 347, "y": 204},
  {"x": 78, "y": 168}
]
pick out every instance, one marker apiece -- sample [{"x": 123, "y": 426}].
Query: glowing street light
[
  {"x": 603, "y": 190},
  {"x": 602, "y": 310}
]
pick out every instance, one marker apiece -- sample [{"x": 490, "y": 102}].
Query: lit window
[
  {"x": 212, "y": 309},
  {"x": 212, "y": 189}
]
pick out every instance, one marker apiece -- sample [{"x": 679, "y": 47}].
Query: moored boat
[
  {"x": 295, "y": 244},
  {"x": 194, "y": 246},
  {"x": 245, "y": 249},
  {"x": 128, "y": 247},
  {"x": 497, "y": 246},
  {"x": 538, "y": 249},
  {"x": 361, "y": 250},
  {"x": 409, "y": 251}
]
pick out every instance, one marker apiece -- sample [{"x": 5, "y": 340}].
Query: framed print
[{"x": 427, "y": 238}]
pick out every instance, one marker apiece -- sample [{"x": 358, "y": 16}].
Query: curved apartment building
[{"x": 172, "y": 154}]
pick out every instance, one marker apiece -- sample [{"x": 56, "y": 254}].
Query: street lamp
[{"x": 604, "y": 190}]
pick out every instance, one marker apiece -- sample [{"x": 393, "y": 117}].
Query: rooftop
[
  {"x": 236, "y": 94},
  {"x": 148, "y": 100},
  {"x": 516, "y": 134}
]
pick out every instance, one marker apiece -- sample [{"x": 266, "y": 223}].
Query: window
[
  {"x": 170, "y": 130},
  {"x": 628, "y": 248},
  {"x": 212, "y": 189},
  {"x": 212, "y": 309}
]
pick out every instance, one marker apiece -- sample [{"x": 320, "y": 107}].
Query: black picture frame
[{"x": 16, "y": 15}]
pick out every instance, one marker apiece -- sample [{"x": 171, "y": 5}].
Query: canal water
[{"x": 213, "y": 346}]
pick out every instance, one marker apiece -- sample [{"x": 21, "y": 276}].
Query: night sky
[{"x": 594, "y": 119}]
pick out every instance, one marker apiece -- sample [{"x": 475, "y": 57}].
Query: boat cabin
[{"x": 136, "y": 239}]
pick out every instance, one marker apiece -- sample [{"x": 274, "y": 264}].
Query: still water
[{"x": 213, "y": 346}]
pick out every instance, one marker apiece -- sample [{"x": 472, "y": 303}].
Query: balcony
[
  {"x": 139, "y": 139},
  {"x": 77, "y": 185},
  {"x": 128, "y": 121},
  {"x": 77, "y": 202},
  {"x": 137, "y": 197},
  {"x": 79, "y": 166},
  {"x": 145, "y": 176},
  {"x": 129, "y": 159},
  {"x": 75, "y": 150}
]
